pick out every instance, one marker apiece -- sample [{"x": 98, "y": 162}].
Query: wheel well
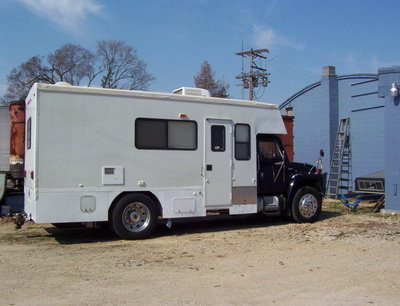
[{"x": 147, "y": 193}]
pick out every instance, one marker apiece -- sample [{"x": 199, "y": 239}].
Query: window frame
[
  {"x": 166, "y": 148},
  {"x": 241, "y": 142}
]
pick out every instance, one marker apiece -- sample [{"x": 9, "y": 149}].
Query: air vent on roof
[
  {"x": 189, "y": 91},
  {"x": 63, "y": 84}
]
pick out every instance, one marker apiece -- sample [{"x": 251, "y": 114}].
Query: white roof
[{"x": 149, "y": 95}]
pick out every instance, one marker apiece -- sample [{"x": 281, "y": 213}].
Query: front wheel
[
  {"x": 307, "y": 204},
  {"x": 134, "y": 217}
]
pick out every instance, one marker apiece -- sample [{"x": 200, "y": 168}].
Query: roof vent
[
  {"x": 62, "y": 84},
  {"x": 190, "y": 91}
]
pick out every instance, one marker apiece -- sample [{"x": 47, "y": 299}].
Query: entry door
[{"x": 218, "y": 162}]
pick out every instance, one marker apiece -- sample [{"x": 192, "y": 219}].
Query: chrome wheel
[
  {"x": 308, "y": 205},
  {"x": 136, "y": 217}
]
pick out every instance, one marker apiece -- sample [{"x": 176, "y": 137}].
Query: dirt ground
[{"x": 345, "y": 258}]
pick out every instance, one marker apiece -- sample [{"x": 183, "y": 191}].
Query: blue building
[
  {"x": 372, "y": 102},
  {"x": 318, "y": 109},
  {"x": 389, "y": 80}
]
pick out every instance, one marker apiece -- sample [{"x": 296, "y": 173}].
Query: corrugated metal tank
[{"x": 17, "y": 138}]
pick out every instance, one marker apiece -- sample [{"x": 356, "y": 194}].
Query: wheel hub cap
[
  {"x": 136, "y": 217},
  {"x": 308, "y": 205}
]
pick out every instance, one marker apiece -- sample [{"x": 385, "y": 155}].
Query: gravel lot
[{"x": 345, "y": 258}]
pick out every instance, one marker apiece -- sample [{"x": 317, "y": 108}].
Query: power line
[
  {"x": 281, "y": 63},
  {"x": 257, "y": 75}
]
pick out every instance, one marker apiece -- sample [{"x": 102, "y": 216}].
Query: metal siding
[
  {"x": 4, "y": 139},
  {"x": 330, "y": 96},
  {"x": 348, "y": 103},
  {"x": 313, "y": 124},
  {"x": 17, "y": 138},
  {"x": 387, "y": 76},
  {"x": 367, "y": 137},
  {"x": 310, "y": 128},
  {"x": 366, "y": 122}
]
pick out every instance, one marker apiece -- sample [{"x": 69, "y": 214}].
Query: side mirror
[{"x": 321, "y": 153}]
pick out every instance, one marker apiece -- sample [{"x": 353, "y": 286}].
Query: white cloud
[
  {"x": 267, "y": 38},
  {"x": 70, "y": 15}
]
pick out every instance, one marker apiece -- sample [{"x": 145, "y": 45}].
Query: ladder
[{"x": 340, "y": 177}]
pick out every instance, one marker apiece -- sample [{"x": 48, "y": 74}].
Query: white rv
[{"x": 132, "y": 157}]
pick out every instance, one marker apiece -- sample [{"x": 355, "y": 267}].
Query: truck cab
[{"x": 284, "y": 187}]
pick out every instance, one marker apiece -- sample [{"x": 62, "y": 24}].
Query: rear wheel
[
  {"x": 306, "y": 206},
  {"x": 134, "y": 217}
]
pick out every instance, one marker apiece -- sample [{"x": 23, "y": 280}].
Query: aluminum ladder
[{"x": 340, "y": 174}]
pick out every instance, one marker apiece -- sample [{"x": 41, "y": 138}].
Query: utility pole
[{"x": 256, "y": 75}]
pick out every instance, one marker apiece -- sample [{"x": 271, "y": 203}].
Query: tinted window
[
  {"x": 160, "y": 134},
  {"x": 218, "y": 138},
  {"x": 29, "y": 133},
  {"x": 269, "y": 150}
]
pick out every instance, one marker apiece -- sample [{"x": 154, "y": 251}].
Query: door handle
[{"x": 209, "y": 167}]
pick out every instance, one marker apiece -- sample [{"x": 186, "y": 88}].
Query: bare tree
[
  {"x": 114, "y": 65},
  {"x": 121, "y": 67},
  {"x": 206, "y": 80},
  {"x": 72, "y": 63},
  {"x": 21, "y": 79},
  {"x": 69, "y": 63}
]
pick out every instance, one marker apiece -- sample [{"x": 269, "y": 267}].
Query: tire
[
  {"x": 134, "y": 217},
  {"x": 306, "y": 205}
]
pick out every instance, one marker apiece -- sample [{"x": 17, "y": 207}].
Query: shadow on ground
[{"x": 180, "y": 227}]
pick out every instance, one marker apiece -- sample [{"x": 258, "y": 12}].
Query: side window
[
  {"x": 218, "y": 138},
  {"x": 269, "y": 150},
  {"x": 242, "y": 142},
  {"x": 151, "y": 134},
  {"x": 182, "y": 135},
  {"x": 160, "y": 134},
  {"x": 29, "y": 133}
]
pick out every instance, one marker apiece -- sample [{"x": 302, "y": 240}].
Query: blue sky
[{"x": 174, "y": 37}]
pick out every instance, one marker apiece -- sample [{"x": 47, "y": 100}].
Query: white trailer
[{"x": 132, "y": 157}]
